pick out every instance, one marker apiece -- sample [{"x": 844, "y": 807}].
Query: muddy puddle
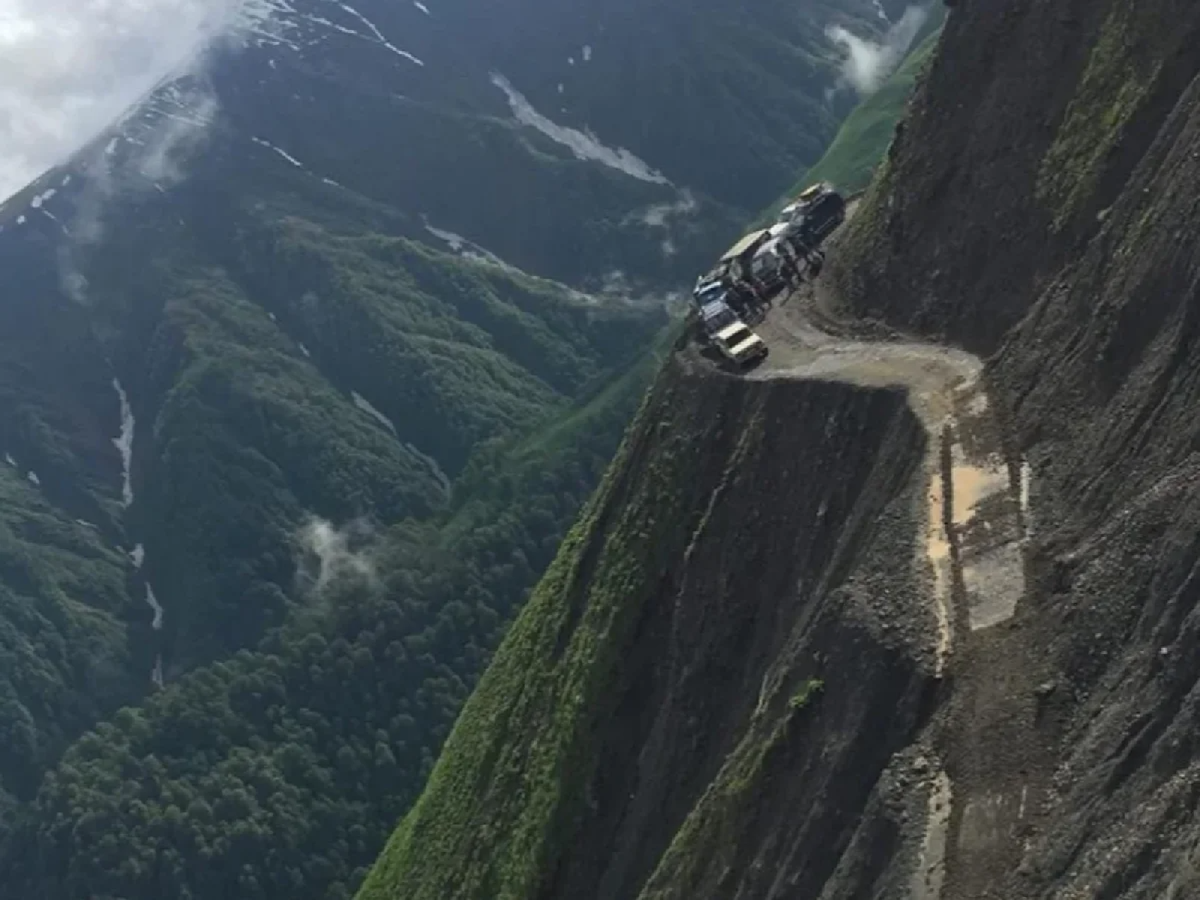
[{"x": 977, "y": 513}]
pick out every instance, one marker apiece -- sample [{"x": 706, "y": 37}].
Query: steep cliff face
[
  {"x": 1031, "y": 119},
  {"x": 709, "y": 682}
]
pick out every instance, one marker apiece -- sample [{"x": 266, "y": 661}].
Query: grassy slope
[
  {"x": 498, "y": 806},
  {"x": 864, "y": 136},
  {"x": 863, "y": 139}
]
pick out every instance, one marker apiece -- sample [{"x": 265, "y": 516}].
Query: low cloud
[
  {"x": 166, "y": 140},
  {"x": 70, "y": 68},
  {"x": 868, "y": 64},
  {"x": 667, "y": 217},
  {"x": 337, "y": 556}
]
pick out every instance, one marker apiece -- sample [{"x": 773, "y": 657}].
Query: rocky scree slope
[{"x": 1078, "y": 271}]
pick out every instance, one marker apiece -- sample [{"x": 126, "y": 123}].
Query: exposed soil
[{"x": 992, "y": 763}]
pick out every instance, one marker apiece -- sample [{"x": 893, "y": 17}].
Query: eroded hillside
[{"x": 739, "y": 679}]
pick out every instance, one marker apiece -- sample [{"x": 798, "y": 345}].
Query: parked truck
[{"x": 814, "y": 215}]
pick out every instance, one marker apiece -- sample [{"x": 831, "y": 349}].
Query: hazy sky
[{"x": 68, "y": 68}]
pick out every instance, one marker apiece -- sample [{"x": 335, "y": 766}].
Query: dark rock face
[
  {"x": 1052, "y": 222},
  {"x": 992, "y": 189}
]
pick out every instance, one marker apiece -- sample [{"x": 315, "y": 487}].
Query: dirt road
[{"x": 975, "y": 526}]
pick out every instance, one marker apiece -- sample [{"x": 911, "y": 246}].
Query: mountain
[
  {"x": 909, "y": 611},
  {"x": 306, "y": 366}
]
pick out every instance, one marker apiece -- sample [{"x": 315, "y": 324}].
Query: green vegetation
[
  {"x": 707, "y": 843},
  {"x": 863, "y": 139},
  {"x": 445, "y": 417},
  {"x": 498, "y": 806},
  {"x": 295, "y": 352},
  {"x": 62, "y": 632},
  {"x": 284, "y": 769},
  {"x": 1114, "y": 84},
  {"x": 807, "y": 693}
]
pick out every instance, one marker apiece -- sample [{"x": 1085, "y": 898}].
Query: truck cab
[{"x": 815, "y": 215}]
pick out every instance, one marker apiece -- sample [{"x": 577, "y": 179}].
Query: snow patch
[
  {"x": 124, "y": 444},
  {"x": 154, "y": 605},
  {"x": 20, "y": 220},
  {"x": 112, "y": 146},
  {"x": 138, "y": 555},
  {"x": 295, "y": 162},
  {"x": 304, "y": 350},
  {"x": 470, "y": 250},
  {"x": 33, "y": 478},
  {"x": 156, "y": 676},
  {"x": 335, "y": 26},
  {"x": 455, "y": 241},
  {"x": 583, "y": 144},
  {"x": 379, "y": 35},
  {"x": 438, "y": 474},
  {"x": 366, "y": 406},
  {"x": 422, "y": 7},
  {"x": 8, "y": 459},
  {"x": 587, "y": 53}
]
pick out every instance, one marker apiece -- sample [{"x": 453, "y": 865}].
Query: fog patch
[
  {"x": 69, "y": 68},
  {"x": 667, "y": 218},
  {"x": 332, "y": 556},
  {"x": 868, "y": 64}
]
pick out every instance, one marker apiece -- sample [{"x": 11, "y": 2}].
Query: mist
[
  {"x": 868, "y": 64},
  {"x": 70, "y": 68},
  {"x": 332, "y": 555}
]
